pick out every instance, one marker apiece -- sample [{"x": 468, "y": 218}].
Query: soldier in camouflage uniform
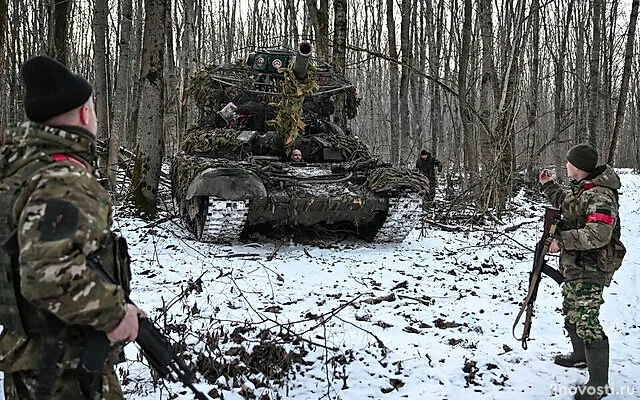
[
  {"x": 427, "y": 165},
  {"x": 58, "y": 216},
  {"x": 591, "y": 251}
]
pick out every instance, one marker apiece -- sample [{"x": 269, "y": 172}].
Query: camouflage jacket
[
  {"x": 54, "y": 242},
  {"x": 590, "y": 221}
]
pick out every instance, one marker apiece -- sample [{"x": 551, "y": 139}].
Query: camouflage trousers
[
  {"x": 581, "y": 307},
  {"x": 21, "y": 385}
]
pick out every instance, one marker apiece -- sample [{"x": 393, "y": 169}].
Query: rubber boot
[
  {"x": 598, "y": 365},
  {"x": 577, "y": 358}
]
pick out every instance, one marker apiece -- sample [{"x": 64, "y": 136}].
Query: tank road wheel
[{"x": 199, "y": 222}]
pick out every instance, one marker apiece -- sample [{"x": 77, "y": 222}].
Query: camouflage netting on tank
[
  {"x": 185, "y": 168},
  {"x": 392, "y": 179},
  {"x": 207, "y": 93},
  {"x": 289, "y": 118},
  {"x": 202, "y": 140},
  {"x": 352, "y": 149}
]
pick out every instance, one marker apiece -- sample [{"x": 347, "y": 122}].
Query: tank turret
[{"x": 235, "y": 176}]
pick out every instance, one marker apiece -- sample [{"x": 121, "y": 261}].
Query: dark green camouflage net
[
  {"x": 385, "y": 179},
  {"x": 203, "y": 140},
  {"x": 289, "y": 122}
]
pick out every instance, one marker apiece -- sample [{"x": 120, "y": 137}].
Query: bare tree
[
  {"x": 469, "y": 145},
  {"x": 146, "y": 172},
  {"x": 394, "y": 114},
  {"x": 339, "y": 54},
  {"x": 118, "y": 122},
  {"x": 58, "y": 30},
  {"x": 100, "y": 67},
  {"x": 624, "y": 86},
  {"x": 597, "y": 10},
  {"x": 405, "y": 78},
  {"x": 319, "y": 17}
]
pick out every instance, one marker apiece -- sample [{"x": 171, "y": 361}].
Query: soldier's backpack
[{"x": 11, "y": 306}]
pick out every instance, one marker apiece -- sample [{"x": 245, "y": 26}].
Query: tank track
[
  {"x": 404, "y": 214},
  {"x": 225, "y": 220}
]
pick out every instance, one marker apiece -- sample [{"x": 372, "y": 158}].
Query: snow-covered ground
[{"x": 429, "y": 318}]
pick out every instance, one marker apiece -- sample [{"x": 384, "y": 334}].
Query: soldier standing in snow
[
  {"x": 591, "y": 251},
  {"x": 56, "y": 216},
  {"x": 427, "y": 164}
]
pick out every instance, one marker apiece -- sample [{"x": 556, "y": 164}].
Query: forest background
[{"x": 495, "y": 89}]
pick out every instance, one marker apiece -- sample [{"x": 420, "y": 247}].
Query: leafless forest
[{"x": 494, "y": 88}]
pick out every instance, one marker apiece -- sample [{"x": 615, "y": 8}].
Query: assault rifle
[
  {"x": 157, "y": 349},
  {"x": 540, "y": 266}
]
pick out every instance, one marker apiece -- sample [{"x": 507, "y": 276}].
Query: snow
[{"x": 379, "y": 321}]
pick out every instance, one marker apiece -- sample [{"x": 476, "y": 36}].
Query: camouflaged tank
[{"x": 234, "y": 174}]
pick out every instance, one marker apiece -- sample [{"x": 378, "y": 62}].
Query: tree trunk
[
  {"x": 319, "y": 17},
  {"x": 118, "y": 123},
  {"x": 394, "y": 145},
  {"x": 594, "y": 73},
  {"x": 339, "y": 55},
  {"x": 61, "y": 31},
  {"x": 172, "y": 102},
  {"x": 534, "y": 91},
  {"x": 188, "y": 55},
  {"x": 100, "y": 89},
  {"x": 624, "y": 86},
  {"x": 146, "y": 172},
  {"x": 469, "y": 145},
  {"x": 405, "y": 78}
]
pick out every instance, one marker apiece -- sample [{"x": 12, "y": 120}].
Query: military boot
[
  {"x": 575, "y": 359},
  {"x": 597, "y": 386}
]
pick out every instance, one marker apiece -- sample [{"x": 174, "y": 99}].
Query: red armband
[{"x": 600, "y": 217}]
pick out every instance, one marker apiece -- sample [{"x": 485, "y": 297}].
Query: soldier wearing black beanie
[
  {"x": 51, "y": 89},
  {"x": 583, "y": 157}
]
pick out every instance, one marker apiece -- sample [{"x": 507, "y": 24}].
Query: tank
[{"x": 235, "y": 176}]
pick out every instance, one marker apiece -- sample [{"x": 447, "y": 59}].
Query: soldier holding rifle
[{"x": 588, "y": 240}]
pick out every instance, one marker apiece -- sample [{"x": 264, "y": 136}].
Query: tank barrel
[{"x": 301, "y": 62}]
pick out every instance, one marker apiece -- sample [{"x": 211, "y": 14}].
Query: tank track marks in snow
[
  {"x": 403, "y": 215},
  {"x": 225, "y": 220}
]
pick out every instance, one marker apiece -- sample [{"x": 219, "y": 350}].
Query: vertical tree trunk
[
  {"x": 624, "y": 86},
  {"x": 339, "y": 56},
  {"x": 101, "y": 93},
  {"x": 146, "y": 172},
  {"x": 136, "y": 77},
  {"x": 319, "y": 18},
  {"x": 118, "y": 123},
  {"x": 594, "y": 73},
  {"x": 188, "y": 57},
  {"x": 559, "y": 98},
  {"x": 394, "y": 116},
  {"x": 61, "y": 30},
  {"x": 172, "y": 102},
  {"x": 534, "y": 90},
  {"x": 580, "y": 100},
  {"x": 405, "y": 78},
  {"x": 469, "y": 145},
  {"x": 4, "y": 106}
]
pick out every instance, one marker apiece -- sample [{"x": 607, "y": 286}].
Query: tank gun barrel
[{"x": 301, "y": 62}]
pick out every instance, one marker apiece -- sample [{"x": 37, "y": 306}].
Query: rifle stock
[
  {"x": 156, "y": 347},
  {"x": 540, "y": 266}
]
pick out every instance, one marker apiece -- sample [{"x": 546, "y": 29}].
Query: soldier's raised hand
[{"x": 545, "y": 176}]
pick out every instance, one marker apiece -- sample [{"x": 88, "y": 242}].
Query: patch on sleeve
[
  {"x": 60, "y": 220},
  {"x": 604, "y": 211}
]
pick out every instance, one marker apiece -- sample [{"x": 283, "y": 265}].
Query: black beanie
[
  {"x": 51, "y": 89},
  {"x": 583, "y": 157}
]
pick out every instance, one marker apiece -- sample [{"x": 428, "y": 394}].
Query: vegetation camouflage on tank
[{"x": 233, "y": 175}]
